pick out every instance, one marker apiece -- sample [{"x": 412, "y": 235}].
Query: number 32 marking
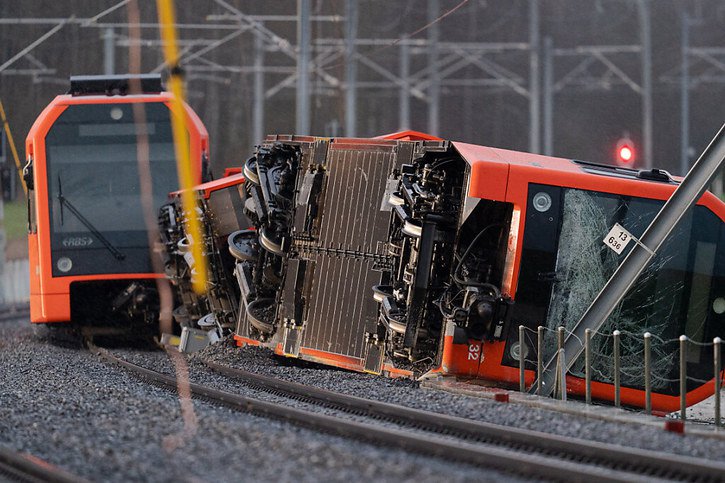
[{"x": 474, "y": 350}]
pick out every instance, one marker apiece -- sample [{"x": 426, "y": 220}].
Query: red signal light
[{"x": 625, "y": 155}]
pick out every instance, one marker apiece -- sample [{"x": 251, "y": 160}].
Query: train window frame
[
  {"x": 87, "y": 237},
  {"x": 698, "y": 236}
]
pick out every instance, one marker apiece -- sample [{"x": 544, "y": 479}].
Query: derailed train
[{"x": 409, "y": 255}]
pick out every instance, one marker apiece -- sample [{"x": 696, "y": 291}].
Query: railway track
[
  {"x": 14, "y": 312},
  {"x": 26, "y": 469},
  {"x": 451, "y": 438}
]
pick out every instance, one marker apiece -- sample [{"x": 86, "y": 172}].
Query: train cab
[{"x": 88, "y": 241}]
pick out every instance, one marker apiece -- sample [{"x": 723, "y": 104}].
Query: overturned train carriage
[
  {"x": 220, "y": 212},
  {"x": 413, "y": 255}
]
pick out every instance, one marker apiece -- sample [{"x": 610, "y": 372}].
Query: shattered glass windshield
[{"x": 672, "y": 297}]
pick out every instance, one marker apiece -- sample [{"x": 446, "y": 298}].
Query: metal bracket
[
  {"x": 375, "y": 353},
  {"x": 291, "y": 337}
]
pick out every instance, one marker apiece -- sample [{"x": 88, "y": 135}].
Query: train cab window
[
  {"x": 32, "y": 217},
  {"x": 93, "y": 177},
  {"x": 676, "y": 294},
  {"x": 29, "y": 179}
]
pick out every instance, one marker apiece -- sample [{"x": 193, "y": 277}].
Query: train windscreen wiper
[{"x": 64, "y": 202}]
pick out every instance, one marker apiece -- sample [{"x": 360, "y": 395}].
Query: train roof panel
[
  {"x": 484, "y": 154},
  {"x": 475, "y": 154}
]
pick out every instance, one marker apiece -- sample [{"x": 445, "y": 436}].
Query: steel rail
[
  {"x": 542, "y": 455},
  {"x": 19, "y": 467},
  {"x": 660, "y": 465}
]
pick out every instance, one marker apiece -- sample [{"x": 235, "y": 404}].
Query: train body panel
[
  {"x": 84, "y": 147},
  {"x": 409, "y": 256}
]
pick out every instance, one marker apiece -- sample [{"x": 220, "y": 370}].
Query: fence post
[
  {"x": 683, "y": 377},
  {"x": 588, "y": 364},
  {"x": 562, "y": 374},
  {"x": 539, "y": 357},
  {"x": 522, "y": 360},
  {"x": 647, "y": 373},
  {"x": 617, "y": 364},
  {"x": 559, "y": 345},
  {"x": 716, "y": 359}
]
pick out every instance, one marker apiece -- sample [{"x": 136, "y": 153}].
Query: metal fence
[
  {"x": 15, "y": 283},
  {"x": 644, "y": 364}
]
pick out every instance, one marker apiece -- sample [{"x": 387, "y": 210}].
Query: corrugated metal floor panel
[{"x": 341, "y": 307}]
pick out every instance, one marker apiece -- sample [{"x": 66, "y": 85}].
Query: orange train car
[
  {"x": 409, "y": 255},
  {"x": 88, "y": 242}
]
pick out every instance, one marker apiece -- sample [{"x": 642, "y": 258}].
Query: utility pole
[
  {"x": 109, "y": 51},
  {"x": 646, "y": 39},
  {"x": 258, "y": 109},
  {"x": 434, "y": 91},
  {"x": 685, "y": 97},
  {"x": 351, "y": 68},
  {"x": 548, "y": 97},
  {"x": 404, "y": 95},
  {"x": 304, "y": 38},
  {"x": 534, "y": 80}
]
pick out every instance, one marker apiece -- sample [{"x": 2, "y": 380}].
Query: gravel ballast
[
  {"x": 103, "y": 424},
  {"x": 63, "y": 404},
  {"x": 407, "y": 392}
]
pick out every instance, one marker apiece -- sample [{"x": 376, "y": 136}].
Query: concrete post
[
  {"x": 304, "y": 38},
  {"x": 534, "y": 79},
  {"x": 434, "y": 91},
  {"x": 109, "y": 51},
  {"x": 351, "y": 68},
  {"x": 548, "y": 97},
  {"x": 404, "y": 96},
  {"x": 258, "y": 110},
  {"x": 685, "y": 97},
  {"x": 646, "y": 39}
]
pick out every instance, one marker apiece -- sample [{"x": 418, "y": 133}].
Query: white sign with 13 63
[{"x": 618, "y": 238}]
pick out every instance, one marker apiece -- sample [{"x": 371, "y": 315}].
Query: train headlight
[
  {"x": 64, "y": 264},
  {"x": 515, "y": 351},
  {"x": 542, "y": 202},
  {"x": 718, "y": 305},
  {"x": 116, "y": 113}
]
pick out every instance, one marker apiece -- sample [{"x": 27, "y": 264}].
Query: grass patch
[{"x": 16, "y": 220}]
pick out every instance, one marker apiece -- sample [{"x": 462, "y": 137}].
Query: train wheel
[
  {"x": 242, "y": 245},
  {"x": 261, "y": 315},
  {"x": 250, "y": 170}
]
